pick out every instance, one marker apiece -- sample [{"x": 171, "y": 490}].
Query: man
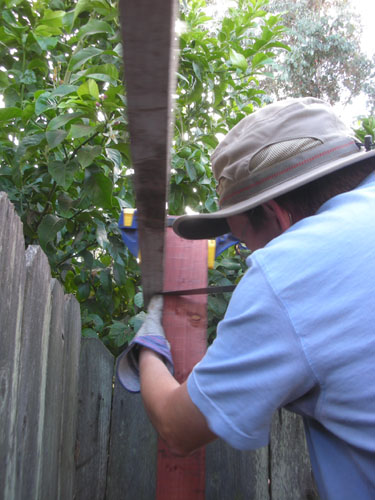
[{"x": 298, "y": 333}]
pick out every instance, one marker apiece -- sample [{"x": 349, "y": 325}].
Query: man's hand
[{"x": 150, "y": 335}]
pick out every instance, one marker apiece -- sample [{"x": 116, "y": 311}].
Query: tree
[
  {"x": 64, "y": 151},
  {"x": 325, "y": 59}
]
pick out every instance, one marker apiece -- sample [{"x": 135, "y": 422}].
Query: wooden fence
[{"x": 69, "y": 431}]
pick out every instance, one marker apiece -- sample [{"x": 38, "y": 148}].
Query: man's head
[{"x": 267, "y": 157}]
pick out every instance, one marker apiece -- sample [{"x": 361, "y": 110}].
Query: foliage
[
  {"x": 325, "y": 59},
  {"x": 64, "y": 143},
  {"x": 219, "y": 70},
  {"x": 366, "y": 126}
]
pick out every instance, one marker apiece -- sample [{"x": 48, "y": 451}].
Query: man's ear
[{"x": 282, "y": 216}]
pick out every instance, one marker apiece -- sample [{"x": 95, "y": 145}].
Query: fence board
[
  {"x": 12, "y": 283},
  {"x": 32, "y": 374},
  {"x": 233, "y": 474},
  {"x": 40, "y": 335},
  {"x": 133, "y": 450},
  {"x": 72, "y": 339},
  {"x": 53, "y": 400},
  {"x": 291, "y": 475},
  {"x": 94, "y": 415}
]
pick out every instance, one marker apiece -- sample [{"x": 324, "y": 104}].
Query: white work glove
[{"x": 150, "y": 335}]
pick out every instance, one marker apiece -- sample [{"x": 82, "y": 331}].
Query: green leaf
[
  {"x": 64, "y": 90},
  {"x": 130, "y": 289},
  {"x": 90, "y": 87},
  {"x": 82, "y": 6},
  {"x": 101, "y": 235},
  {"x": 190, "y": 170},
  {"x": 119, "y": 273},
  {"x": 4, "y": 80},
  {"x": 217, "y": 305},
  {"x": 7, "y": 114},
  {"x": 48, "y": 229},
  {"x": 93, "y": 27},
  {"x": 237, "y": 60},
  {"x": 53, "y": 17},
  {"x": 44, "y": 102},
  {"x": 28, "y": 142},
  {"x": 260, "y": 59},
  {"x": 46, "y": 42},
  {"x": 137, "y": 321},
  {"x": 117, "y": 333},
  {"x": 62, "y": 120},
  {"x": 78, "y": 130},
  {"x": 231, "y": 264},
  {"x": 101, "y": 77},
  {"x": 138, "y": 299},
  {"x": 89, "y": 333},
  {"x": 87, "y": 154},
  {"x": 83, "y": 291},
  {"x": 97, "y": 187},
  {"x": 55, "y": 137},
  {"x": 28, "y": 111},
  {"x": 88, "y": 258},
  {"x": 28, "y": 77},
  {"x": 63, "y": 173},
  {"x": 106, "y": 281},
  {"x": 197, "y": 70},
  {"x": 45, "y": 30},
  {"x": 102, "y": 72},
  {"x": 115, "y": 156},
  {"x": 83, "y": 56}
]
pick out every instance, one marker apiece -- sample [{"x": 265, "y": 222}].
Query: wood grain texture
[
  {"x": 32, "y": 374},
  {"x": 12, "y": 284},
  {"x": 72, "y": 341},
  {"x": 185, "y": 324},
  {"x": 132, "y": 459},
  {"x": 148, "y": 33},
  {"x": 50, "y": 458},
  {"x": 233, "y": 474},
  {"x": 291, "y": 474},
  {"x": 94, "y": 416}
]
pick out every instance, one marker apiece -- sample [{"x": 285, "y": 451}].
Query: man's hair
[{"x": 306, "y": 200}]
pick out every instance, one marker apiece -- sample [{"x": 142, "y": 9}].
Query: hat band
[{"x": 286, "y": 170}]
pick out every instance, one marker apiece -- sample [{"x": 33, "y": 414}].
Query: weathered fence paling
[{"x": 69, "y": 431}]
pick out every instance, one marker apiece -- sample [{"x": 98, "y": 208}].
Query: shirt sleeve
[{"x": 255, "y": 365}]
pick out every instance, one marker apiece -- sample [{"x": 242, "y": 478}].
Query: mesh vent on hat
[{"x": 281, "y": 151}]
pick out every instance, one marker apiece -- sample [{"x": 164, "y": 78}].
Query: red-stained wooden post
[{"x": 185, "y": 324}]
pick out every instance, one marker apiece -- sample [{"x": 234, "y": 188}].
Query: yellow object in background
[
  {"x": 211, "y": 253},
  {"x": 128, "y": 214}
]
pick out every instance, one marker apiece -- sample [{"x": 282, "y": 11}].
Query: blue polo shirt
[{"x": 299, "y": 334}]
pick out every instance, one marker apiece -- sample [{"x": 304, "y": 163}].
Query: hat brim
[{"x": 211, "y": 225}]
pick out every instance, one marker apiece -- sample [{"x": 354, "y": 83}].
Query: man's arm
[{"x": 176, "y": 418}]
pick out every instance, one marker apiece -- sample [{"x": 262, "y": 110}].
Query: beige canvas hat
[{"x": 270, "y": 152}]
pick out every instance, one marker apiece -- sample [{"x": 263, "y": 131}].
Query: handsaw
[
  {"x": 150, "y": 62},
  {"x": 201, "y": 291}
]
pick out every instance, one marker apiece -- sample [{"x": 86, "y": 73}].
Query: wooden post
[{"x": 185, "y": 323}]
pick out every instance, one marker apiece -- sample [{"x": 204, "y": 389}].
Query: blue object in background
[
  {"x": 129, "y": 231},
  {"x": 129, "y": 234}
]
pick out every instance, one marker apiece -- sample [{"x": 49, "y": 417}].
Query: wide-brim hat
[{"x": 272, "y": 151}]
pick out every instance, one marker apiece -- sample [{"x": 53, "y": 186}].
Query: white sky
[{"x": 366, "y": 8}]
